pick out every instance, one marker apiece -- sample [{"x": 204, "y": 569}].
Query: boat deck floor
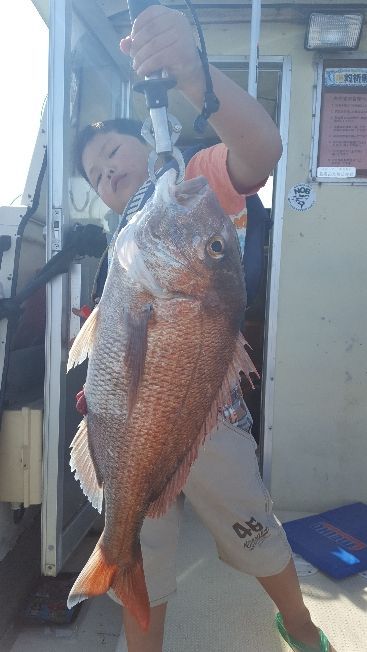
[{"x": 216, "y": 609}]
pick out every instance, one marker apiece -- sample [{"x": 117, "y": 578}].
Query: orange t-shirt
[{"x": 212, "y": 164}]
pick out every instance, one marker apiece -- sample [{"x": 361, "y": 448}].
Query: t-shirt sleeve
[{"x": 212, "y": 164}]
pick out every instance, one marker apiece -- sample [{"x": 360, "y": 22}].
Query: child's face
[{"x": 116, "y": 165}]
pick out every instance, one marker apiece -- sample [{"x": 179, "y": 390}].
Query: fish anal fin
[
  {"x": 241, "y": 362},
  {"x": 98, "y": 576},
  {"x": 83, "y": 342},
  {"x": 81, "y": 462},
  {"x": 136, "y": 350}
]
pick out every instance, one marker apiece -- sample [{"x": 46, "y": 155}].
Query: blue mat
[{"x": 334, "y": 541}]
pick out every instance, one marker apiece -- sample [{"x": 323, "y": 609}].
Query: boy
[{"x": 113, "y": 158}]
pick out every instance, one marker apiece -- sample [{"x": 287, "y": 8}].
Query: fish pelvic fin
[
  {"x": 98, "y": 576},
  {"x": 241, "y": 362},
  {"x": 82, "y": 464},
  {"x": 83, "y": 342},
  {"x": 136, "y": 350}
]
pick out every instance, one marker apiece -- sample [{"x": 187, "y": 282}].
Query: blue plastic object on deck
[{"x": 334, "y": 541}]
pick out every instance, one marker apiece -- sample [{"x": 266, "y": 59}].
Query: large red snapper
[{"x": 164, "y": 349}]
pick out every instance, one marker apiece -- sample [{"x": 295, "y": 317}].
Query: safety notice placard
[{"x": 343, "y": 130}]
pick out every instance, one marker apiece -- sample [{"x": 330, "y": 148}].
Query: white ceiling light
[{"x": 334, "y": 31}]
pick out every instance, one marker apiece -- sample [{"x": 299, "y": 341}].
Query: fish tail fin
[
  {"x": 130, "y": 588},
  {"x": 98, "y": 576},
  {"x": 95, "y": 578}
]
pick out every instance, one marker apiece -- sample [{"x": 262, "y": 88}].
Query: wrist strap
[{"x": 211, "y": 102}]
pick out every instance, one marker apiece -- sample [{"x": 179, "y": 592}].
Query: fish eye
[{"x": 215, "y": 247}]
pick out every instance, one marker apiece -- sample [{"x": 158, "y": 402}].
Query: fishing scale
[{"x": 161, "y": 130}]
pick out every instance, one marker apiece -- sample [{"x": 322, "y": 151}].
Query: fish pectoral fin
[
  {"x": 136, "y": 350},
  {"x": 81, "y": 462},
  {"x": 98, "y": 576},
  {"x": 83, "y": 342}
]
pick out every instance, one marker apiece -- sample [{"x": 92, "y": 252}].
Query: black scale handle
[{"x": 155, "y": 88}]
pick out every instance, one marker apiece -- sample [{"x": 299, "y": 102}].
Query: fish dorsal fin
[
  {"x": 241, "y": 362},
  {"x": 81, "y": 462},
  {"x": 84, "y": 340},
  {"x": 136, "y": 350}
]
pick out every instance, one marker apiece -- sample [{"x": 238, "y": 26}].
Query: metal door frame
[
  {"x": 53, "y": 437},
  {"x": 271, "y": 318},
  {"x": 58, "y": 541}
]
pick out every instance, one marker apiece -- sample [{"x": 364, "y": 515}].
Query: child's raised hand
[{"x": 162, "y": 38}]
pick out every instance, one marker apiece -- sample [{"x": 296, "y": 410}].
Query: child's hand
[{"x": 162, "y": 38}]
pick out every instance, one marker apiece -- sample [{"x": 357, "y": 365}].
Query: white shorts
[{"x": 226, "y": 491}]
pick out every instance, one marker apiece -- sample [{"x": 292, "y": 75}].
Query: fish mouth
[{"x": 116, "y": 180}]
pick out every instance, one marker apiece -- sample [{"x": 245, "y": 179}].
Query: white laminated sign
[{"x": 336, "y": 172}]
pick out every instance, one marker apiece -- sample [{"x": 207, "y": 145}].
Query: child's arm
[{"x": 162, "y": 38}]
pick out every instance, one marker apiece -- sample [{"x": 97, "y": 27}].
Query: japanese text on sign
[
  {"x": 343, "y": 138},
  {"x": 350, "y": 77},
  {"x": 336, "y": 173}
]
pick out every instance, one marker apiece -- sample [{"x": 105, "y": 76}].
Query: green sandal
[{"x": 297, "y": 646}]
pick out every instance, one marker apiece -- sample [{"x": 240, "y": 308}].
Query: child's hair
[{"x": 120, "y": 125}]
